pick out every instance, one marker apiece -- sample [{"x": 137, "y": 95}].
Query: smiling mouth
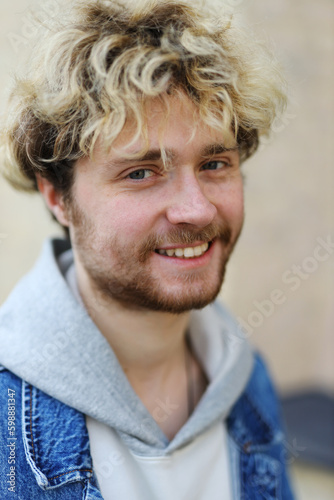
[{"x": 185, "y": 253}]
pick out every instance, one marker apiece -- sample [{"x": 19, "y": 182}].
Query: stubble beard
[{"x": 130, "y": 282}]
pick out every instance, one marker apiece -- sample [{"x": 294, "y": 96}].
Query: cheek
[
  {"x": 229, "y": 200},
  {"x": 237, "y": 204},
  {"x": 125, "y": 218},
  {"x": 232, "y": 212}
]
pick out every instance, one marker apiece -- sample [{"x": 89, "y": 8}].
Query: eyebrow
[
  {"x": 170, "y": 154},
  {"x": 150, "y": 155},
  {"x": 216, "y": 149}
]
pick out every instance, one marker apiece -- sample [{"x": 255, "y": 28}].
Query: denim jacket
[{"x": 45, "y": 453}]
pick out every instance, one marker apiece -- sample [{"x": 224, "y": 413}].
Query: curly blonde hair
[{"x": 97, "y": 66}]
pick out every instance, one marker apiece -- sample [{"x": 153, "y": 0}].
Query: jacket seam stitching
[
  {"x": 33, "y": 447},
  {"x": 31, "y": 432},
  {"x": 69, "y": 472}
]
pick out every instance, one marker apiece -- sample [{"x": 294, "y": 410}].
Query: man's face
[{"x": 155, "y": 238}]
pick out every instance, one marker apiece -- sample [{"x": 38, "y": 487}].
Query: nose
[{"x": 189, "y": 203}]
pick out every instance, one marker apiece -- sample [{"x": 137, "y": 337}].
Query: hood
[{"x": 48, "y": 339}]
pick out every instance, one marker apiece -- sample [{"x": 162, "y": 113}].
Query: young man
[{"x": 121, "y": 376}]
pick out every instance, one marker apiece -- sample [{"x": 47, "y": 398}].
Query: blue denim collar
[
  {"x": 257, "y": 441},
  {"x": 253, "y": 421}
]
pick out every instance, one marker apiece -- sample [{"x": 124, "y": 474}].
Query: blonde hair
[{"x": 97, "y": 66}]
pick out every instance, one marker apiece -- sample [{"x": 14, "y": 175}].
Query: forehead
[{"x": 171, "y": 124}]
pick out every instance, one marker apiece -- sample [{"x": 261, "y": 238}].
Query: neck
[
  {"x": 143, "y": 341},
  {"x": 152, "y": 350}
]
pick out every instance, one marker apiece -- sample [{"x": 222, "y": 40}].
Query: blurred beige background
[{"x": 279, "y": 284}]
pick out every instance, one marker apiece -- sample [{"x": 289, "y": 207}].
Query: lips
[
  {"x": 184, "y": 253},
  {"x": 184, "y": 244}
]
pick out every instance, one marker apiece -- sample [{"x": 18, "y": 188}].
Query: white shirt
[{"x": 198, "y": 471}]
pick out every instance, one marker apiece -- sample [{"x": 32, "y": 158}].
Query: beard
[{"x": 122, "y": 272}]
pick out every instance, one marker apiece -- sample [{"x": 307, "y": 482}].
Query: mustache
[{"x": 184, "y": 236}]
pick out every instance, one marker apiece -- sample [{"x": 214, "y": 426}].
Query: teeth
[
  {"x": 179, "y": 252},
  {"x": 198, "y": 251},
  {"x": 188, "y": 252},
  {"x": 185, "y": 253},
  {"x": 205, "y": 246}
]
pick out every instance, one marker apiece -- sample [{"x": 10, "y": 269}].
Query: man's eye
[
  {"x": 140, "y": 174},
  {"x": 215, "y": 165}
]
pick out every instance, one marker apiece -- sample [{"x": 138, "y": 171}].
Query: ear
[{"x": 53, "y": 199}]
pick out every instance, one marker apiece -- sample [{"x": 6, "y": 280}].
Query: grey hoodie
[{"x": 48, "y": 339}]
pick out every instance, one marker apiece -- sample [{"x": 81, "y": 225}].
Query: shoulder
[
  {"x": 8, "y": 379},
  {"x": 261, "y": 378},
  {"x": 7, "y": 376},
  {"x": 10, "y": 392}
]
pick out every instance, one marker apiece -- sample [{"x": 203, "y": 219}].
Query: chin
[{"x": 174, "y": 303}]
